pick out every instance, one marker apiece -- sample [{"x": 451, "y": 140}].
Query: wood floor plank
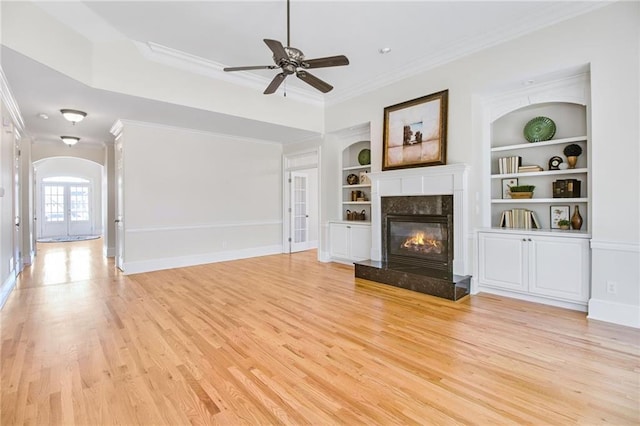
[{"x": 288, "y": 340}]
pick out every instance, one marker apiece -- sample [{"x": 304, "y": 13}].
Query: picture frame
[
  {"x": 558, "y": 213},
  {"x": 506, "y": 183},
  {"x": 415, "y": 132}
]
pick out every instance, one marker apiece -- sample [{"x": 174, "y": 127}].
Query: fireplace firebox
[
  {"x": 421, "y": 240},
  {"x": 417, "y": 235}
]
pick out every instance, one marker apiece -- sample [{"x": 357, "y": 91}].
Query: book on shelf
[
  {"x": 533, "y": 168},
  {"x": 519, "y": 218},
  {"x": 509, "y": 164}
]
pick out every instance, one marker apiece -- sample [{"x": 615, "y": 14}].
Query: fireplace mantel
[{"x": 436, "y": 180}]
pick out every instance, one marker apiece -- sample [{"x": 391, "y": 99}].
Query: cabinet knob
[
  {"x": 529, "y": 239},
  {"x": 524, "y": 239}
]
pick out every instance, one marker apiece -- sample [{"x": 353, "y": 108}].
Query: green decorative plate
[
  {"x": 364, "y": 157},
  {"x": 539, "y": 129}
]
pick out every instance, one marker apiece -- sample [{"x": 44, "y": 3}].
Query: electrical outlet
[{"x": 612, "y": 287}]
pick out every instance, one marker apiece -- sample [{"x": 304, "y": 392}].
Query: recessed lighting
[
  {"x": 43, "y": 116},
  {"x": 528, "y": 82},
  {"x": 384, "y": 50}
]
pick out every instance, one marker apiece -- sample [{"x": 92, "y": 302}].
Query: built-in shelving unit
[
  {"x": 545, "y": 264},
  {"x": 508, "y": 140},
  {"x": 351, "y": 202}
]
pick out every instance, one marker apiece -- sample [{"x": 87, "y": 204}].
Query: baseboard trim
[
  {"x": 574, "y": 306},
  {"x": 616, "y": 313},
  {"x": 184, "y": 261},
  {"x": 109, "y": 252},
  {"x": 7, "y": 287}
]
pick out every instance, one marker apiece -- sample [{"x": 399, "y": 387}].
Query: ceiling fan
[{"x": 292, "y": 61}]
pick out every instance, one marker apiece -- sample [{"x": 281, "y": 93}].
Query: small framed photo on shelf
[
  {"x": 506, "y": 183},
  {"x": 558, "y": 213}
]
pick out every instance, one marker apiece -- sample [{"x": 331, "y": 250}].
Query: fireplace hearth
[{"x": 417, "y": 247}]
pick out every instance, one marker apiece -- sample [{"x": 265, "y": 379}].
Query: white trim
[
  {"x": 198, "y": 65},
  {"x": 118, "y": 127},
  {"x": 109, "y": 252},
  {"x": 617, "y": 313},
  {"x": 615, "y": 245},
  {"x": 8, "y": 286},
  {"x": 437, "y": 180},
  {"x": 185, "y": 261},
  {"x": 203, "y": 226},
  {"x": 582, "y": 307},
  {"x": 10, "y": 102}
]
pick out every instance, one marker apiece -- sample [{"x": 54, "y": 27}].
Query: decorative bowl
[
  {"x": 539, "y": 129},
  {"x": 520, "y": 195}
]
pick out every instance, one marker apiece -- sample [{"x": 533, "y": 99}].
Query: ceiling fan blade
[
  {"x": 257, "y": 67},
  {"x": 314, "y": 81},
  {"x": 330, "y": 61},
  {"x": 278, "y": 50},
  {"x": 275, "y": 83}
]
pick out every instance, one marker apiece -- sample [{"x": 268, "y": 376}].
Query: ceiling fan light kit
[{"x": 292, "y": 61}]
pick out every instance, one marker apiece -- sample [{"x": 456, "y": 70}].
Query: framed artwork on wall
[{"x": 415, "y": 132}]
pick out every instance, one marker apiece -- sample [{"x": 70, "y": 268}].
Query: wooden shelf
[
  {"x": 538, "y": 144},
  {"x": 542, "y": 173},
  {"x": 538, "y": 200},
  {"x": 368, "y": 166}
]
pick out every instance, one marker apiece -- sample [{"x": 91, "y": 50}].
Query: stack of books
[
  {"x": 519, "y": 218},
  {"x": 528, "y": 169},
  {"x": 509, "y": 164}
]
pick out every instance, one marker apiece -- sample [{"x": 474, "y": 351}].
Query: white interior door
[
  {"x": 17, "y": 208},
  {"x": 299, "y": 197},
  {"x": 119, "y": 220}
]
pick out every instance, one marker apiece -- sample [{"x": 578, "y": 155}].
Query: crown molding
[
  {"x": 10, "y": 102},
  {"x": 198, "y": 65},
  {"x": 450, "y": 52}
]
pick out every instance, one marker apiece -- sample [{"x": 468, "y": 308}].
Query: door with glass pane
[
  {"x": 299, "y": 215},
  {"x": 66, "y": 209}
]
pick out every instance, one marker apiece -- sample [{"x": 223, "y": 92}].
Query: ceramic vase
[
  {"x": 571, "y": 161},
  {"x": 576, "y": 219}
]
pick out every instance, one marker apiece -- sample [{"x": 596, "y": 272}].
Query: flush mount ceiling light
[
  {"x": 73, "y": 115},
  {"x": 70, "y": 140},
  {"x": 384, "y": 50}
]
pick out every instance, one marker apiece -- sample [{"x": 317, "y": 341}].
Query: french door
[
  {"x": 299, "y": 211},
  {"x": 66, "y": 209}
]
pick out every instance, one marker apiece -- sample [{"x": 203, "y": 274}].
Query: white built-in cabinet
[
  {"x": 548, "y": 267},
  {"x": 545, "y": 265},
  {"x": 350, "y": 236},
  {"x": 349, "y": 241}
]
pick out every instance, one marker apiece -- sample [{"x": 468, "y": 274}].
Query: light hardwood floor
[{"x": 288, "y": 340}]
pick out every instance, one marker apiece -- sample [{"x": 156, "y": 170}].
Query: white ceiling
[{"x": 421, "y": 34}]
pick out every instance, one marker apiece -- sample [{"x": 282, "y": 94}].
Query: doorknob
[{"x": 116, "y": 221}]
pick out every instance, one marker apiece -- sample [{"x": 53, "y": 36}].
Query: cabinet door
[
  {"x": 339, "y": 240},
  {"x": 559, "y": 267},
  {"x": 502, "y": 261},
  {"x": 360, "y": 242}
]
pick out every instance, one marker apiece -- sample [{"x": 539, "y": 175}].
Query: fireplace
[
  {"x": 417, "y": 246},
  {"x": 421, "y": 240}
]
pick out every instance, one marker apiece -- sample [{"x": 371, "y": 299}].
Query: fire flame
[{"x": 421, "y": 243}]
